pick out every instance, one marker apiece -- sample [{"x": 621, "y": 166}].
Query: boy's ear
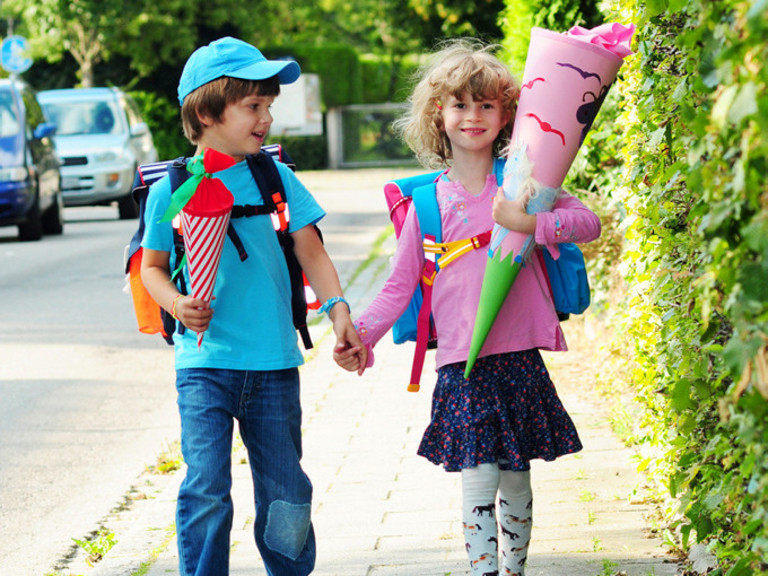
[{"x": 204, "y": 118}]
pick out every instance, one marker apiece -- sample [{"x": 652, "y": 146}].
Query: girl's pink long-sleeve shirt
[{"x": 527, "y": 318}]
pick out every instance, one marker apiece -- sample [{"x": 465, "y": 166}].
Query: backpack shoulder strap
[
  {"x": 428, "y": 214},
  {"x": 177, "y": 172},
  {"x": 264, "y": 172},
  {"x": 498, "y": 169},
  {"x": 270, "y": 185},
  {"x": 428, "y": 211}
]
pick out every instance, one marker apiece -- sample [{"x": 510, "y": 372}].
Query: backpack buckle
[{"x": 429, "y": 273}]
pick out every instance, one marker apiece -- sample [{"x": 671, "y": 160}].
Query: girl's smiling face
[
  {"x": 473, "y": 125},
  {"x": 242, "y": 128}
]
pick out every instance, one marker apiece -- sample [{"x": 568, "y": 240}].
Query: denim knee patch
[{"x": 287, "y": 527}]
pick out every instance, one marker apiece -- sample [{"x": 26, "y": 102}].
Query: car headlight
[
  {"x": 13, "y": 174},
  {"x": 106, "y": 156}
]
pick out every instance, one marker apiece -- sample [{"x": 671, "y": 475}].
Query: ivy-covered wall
[{"x": 686, "y": 163}]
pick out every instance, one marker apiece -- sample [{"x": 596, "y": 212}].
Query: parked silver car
[{"x": 101, "y": 138}]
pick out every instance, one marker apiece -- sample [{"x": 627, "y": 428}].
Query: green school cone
[{"x": 497, "y": 281}]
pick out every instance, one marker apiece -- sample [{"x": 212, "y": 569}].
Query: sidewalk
[{"x": 380, "y": 510}]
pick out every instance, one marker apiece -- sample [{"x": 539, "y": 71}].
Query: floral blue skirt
[{"x": 507, "y": 412}]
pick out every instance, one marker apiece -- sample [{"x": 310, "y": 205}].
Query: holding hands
[{"x": 349, "y": 352}]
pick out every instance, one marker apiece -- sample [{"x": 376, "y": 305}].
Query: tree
[
  {"x": 479, "y": 18},
  {"x": 520, "y": 16},
  {"x": 79, "y": 27},
  {"x": 146, "y": 32},
  {"x": 389, "y": 28}
]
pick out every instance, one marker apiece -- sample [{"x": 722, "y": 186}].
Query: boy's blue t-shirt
[{"x": 252, "y": 326}]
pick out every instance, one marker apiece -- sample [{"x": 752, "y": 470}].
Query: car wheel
[
  {"x": 53, "y": 219},
  {"x": 127, "y": 208},
  {"x": 32, "y": 229}
]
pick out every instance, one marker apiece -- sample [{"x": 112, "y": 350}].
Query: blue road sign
[{"x": 13, "y": 54}]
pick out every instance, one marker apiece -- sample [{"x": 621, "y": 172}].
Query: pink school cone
[{"x": 565, "y": 81}]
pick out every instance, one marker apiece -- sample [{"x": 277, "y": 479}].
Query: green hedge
[
  {"x": 308, "y": 152},
  {"x": 691, "y": 137},
  {"x": 164, "y": 120},
  {"x": 337, "y": 65},
  {"x": 385, "y": 80}
]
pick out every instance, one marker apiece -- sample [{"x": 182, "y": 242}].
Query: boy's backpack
[
  {"x": 567, "y": 276},
  {"x": 151, "y": 318}
]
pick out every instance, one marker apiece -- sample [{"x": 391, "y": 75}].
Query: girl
[{"x": 490, "y": 426}]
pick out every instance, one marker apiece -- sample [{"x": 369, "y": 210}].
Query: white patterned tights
[{"x": 483, "y": 535}]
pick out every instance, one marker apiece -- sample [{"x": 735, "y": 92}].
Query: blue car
[{"x": 30, "y": 181}]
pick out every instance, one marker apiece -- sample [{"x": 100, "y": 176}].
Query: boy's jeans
[{"x": 267, "y": 407}]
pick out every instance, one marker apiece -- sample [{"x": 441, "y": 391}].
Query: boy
[{"x": 247, "y": 366}]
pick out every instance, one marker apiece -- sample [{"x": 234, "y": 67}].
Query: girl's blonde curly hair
[{"x": 460, "y": 66}]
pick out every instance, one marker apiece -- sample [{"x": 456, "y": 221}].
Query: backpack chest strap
[
  {"x": 448, "y": 252},
  {"x": 248, "y": 210},
  {"x": 277, "y": 209}
]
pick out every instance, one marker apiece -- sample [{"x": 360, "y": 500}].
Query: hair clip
[{"x": 439, "y": 104}]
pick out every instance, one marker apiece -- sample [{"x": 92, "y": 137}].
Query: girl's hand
[
  {"x": 194, "y": 313},
  {"x": 349, "y": 352},
  {"x": 512, "y": 215},
  {"x": 349, "y": 357}
]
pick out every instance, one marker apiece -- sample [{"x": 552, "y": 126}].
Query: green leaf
[
  {"x": 723, "y": 105},
  {"x": 656, "y": 137},
  {"x": 681, "y": 91},
  {"x": 677, "y": 5},
  {"x": 756, "y": 235},
  {"x": 655, "y": 7},
  {"x": 681, "y": 395},
  {"x": 741, "y": 568},
  {"x": 753, "y": 280},
  {"x": 745, "y": 104},
  {"x": 707, "y": 67}
]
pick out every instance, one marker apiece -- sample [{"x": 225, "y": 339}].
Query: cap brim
[{"x": 287, "y": 71}]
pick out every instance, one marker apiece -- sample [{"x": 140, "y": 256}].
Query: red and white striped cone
[{"x": 203, "y": 242}]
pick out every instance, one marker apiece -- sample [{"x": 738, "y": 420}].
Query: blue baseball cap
[{"x": 234, "y": 58}]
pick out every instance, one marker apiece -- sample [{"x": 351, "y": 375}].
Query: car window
[
  {"x": 86, "y": 117},
  {"x": 9, "y": 122}
]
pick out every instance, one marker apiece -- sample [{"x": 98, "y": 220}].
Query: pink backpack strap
[{"x": 423, "y": 321}]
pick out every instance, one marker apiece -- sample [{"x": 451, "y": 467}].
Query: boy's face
[{"x": 243, "y": 127}]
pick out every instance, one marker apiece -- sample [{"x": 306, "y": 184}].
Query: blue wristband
[{"x": 330, "y": 303}]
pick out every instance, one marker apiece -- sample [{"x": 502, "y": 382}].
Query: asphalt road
[{"x": 86, "y": 402}]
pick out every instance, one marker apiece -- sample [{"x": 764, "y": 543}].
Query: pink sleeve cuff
[{"x": 569, "y": 221}]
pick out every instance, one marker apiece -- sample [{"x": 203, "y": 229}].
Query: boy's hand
[
  {"x": 194, "y": 313},
  {"x": 349, "y": 357},
  {"x": 349, "y": 352}
]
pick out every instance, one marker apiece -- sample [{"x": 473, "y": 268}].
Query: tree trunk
[{"x": 86, "y": 73}]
